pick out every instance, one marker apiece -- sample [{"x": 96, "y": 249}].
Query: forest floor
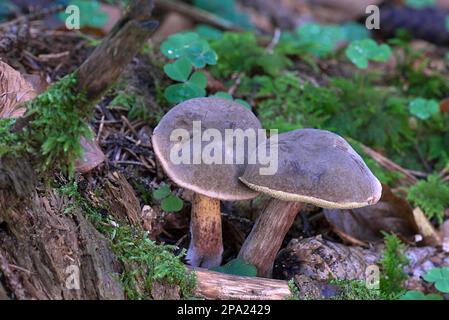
[{"x": 394, "y": 111}]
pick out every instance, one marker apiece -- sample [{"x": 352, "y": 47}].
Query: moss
[
  {"x": 144, "y": 261},
  {"x": 134, "y": 103},
  {"x": 59, "y": 120},
  {"x": 355, "y": 290},
  {"x": 432, "y": 196},
  {"x": 393, "y": 262},
  {"x": 295, "y": 295},
  {"x": 9, "y": 142}
]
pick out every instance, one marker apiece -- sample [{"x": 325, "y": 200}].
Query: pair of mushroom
[{"x": 314, "y": 166}]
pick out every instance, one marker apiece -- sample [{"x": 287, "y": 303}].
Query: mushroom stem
[
  {"x": 206, "y": 244},
  {"x": 265, "y": 239}
]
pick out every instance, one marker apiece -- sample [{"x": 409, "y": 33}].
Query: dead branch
[{"x": 213, "y": 285}]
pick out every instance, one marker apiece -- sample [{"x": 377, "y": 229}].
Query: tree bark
[
  {"x": 265, "y": 239},
  {"x": 219, "y": 286}
]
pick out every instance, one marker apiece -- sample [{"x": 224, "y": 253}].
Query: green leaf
[
  {"x": 209, "y": 33},
  {"x": 226, "y": 9},
  {"x": 201, "y": 54},
  {"x": 161, "y": 193},
  {"x": 224, "y": 95},
  {"x": 6, "y": 8},
  {"x": 172, "y": 204},
  {"x": 419, "y": 4},
  {"x": 354, "y": 31},
  {"x": 243, "y": 103},
  {"x": 417, "y": 295},
  {"x": 423, "y": 109},
  {"x": 179, "y": 70},
  {"x": 175, "y": 46},
  {"x": 237, "y": 267},
  {"x": 440, "y": 277},
  {"x": 191, "y": 46},
  {"x": 320, "y": 40},
  {"x": 359, "y": 52},
  {"x": 447, "y": 23},
  {"x": 199, "y": 79},
  {"x": 90, "y": 13},
  {"x": 183, "y": 91}
]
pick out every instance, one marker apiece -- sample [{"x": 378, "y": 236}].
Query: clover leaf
[
  {"x": 209, "y": 33},
  {"x": 179, "y": 70},
  {"x": 175, "y": 45},
  {"x": 161, "y": 193},
  {"x": 180, "y": 92},
  {"x": 237, "y": 267},
  {"x": 418, "y": 295},
  {"x": 191, "y": 46},
  {"x": 195, "y": 87},
  {"x": 201, "y": 54},
  {"x": 359, "y": 52},
  {"x": 320, "y": 40},
  {"x": 172, "y": 204},
  {"x": 354, "y": 31},
  {"x": 226, "y": 95},
  {"x": 199, "y": 79},
  {"x": 226, "y": 9},
  {"x": 423, "y": 109},
  {"x": 440, "y": 277}
]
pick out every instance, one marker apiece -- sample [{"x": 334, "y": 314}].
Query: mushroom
[
  {"x": 314, "y": 166},
  {"x": 190, "y": 144}
]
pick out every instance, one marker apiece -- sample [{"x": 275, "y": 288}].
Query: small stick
[{"x": 37, "y": 15}]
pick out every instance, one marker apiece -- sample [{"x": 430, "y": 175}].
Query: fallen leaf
[
  {"x": 15, "y": 89},
  {"x": 93, "y": 156},
  {"x": 390, "y": 214}
]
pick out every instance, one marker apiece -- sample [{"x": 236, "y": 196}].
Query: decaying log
[
  {"x": 45, "y": 252},
  {"x": 322, "y": 260},
  {"x": 219, "y": 286}
]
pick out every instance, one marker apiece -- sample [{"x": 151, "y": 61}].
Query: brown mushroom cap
[
  {"x": 317, "y": 167},
  {"x": 219, "y": 181}
]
